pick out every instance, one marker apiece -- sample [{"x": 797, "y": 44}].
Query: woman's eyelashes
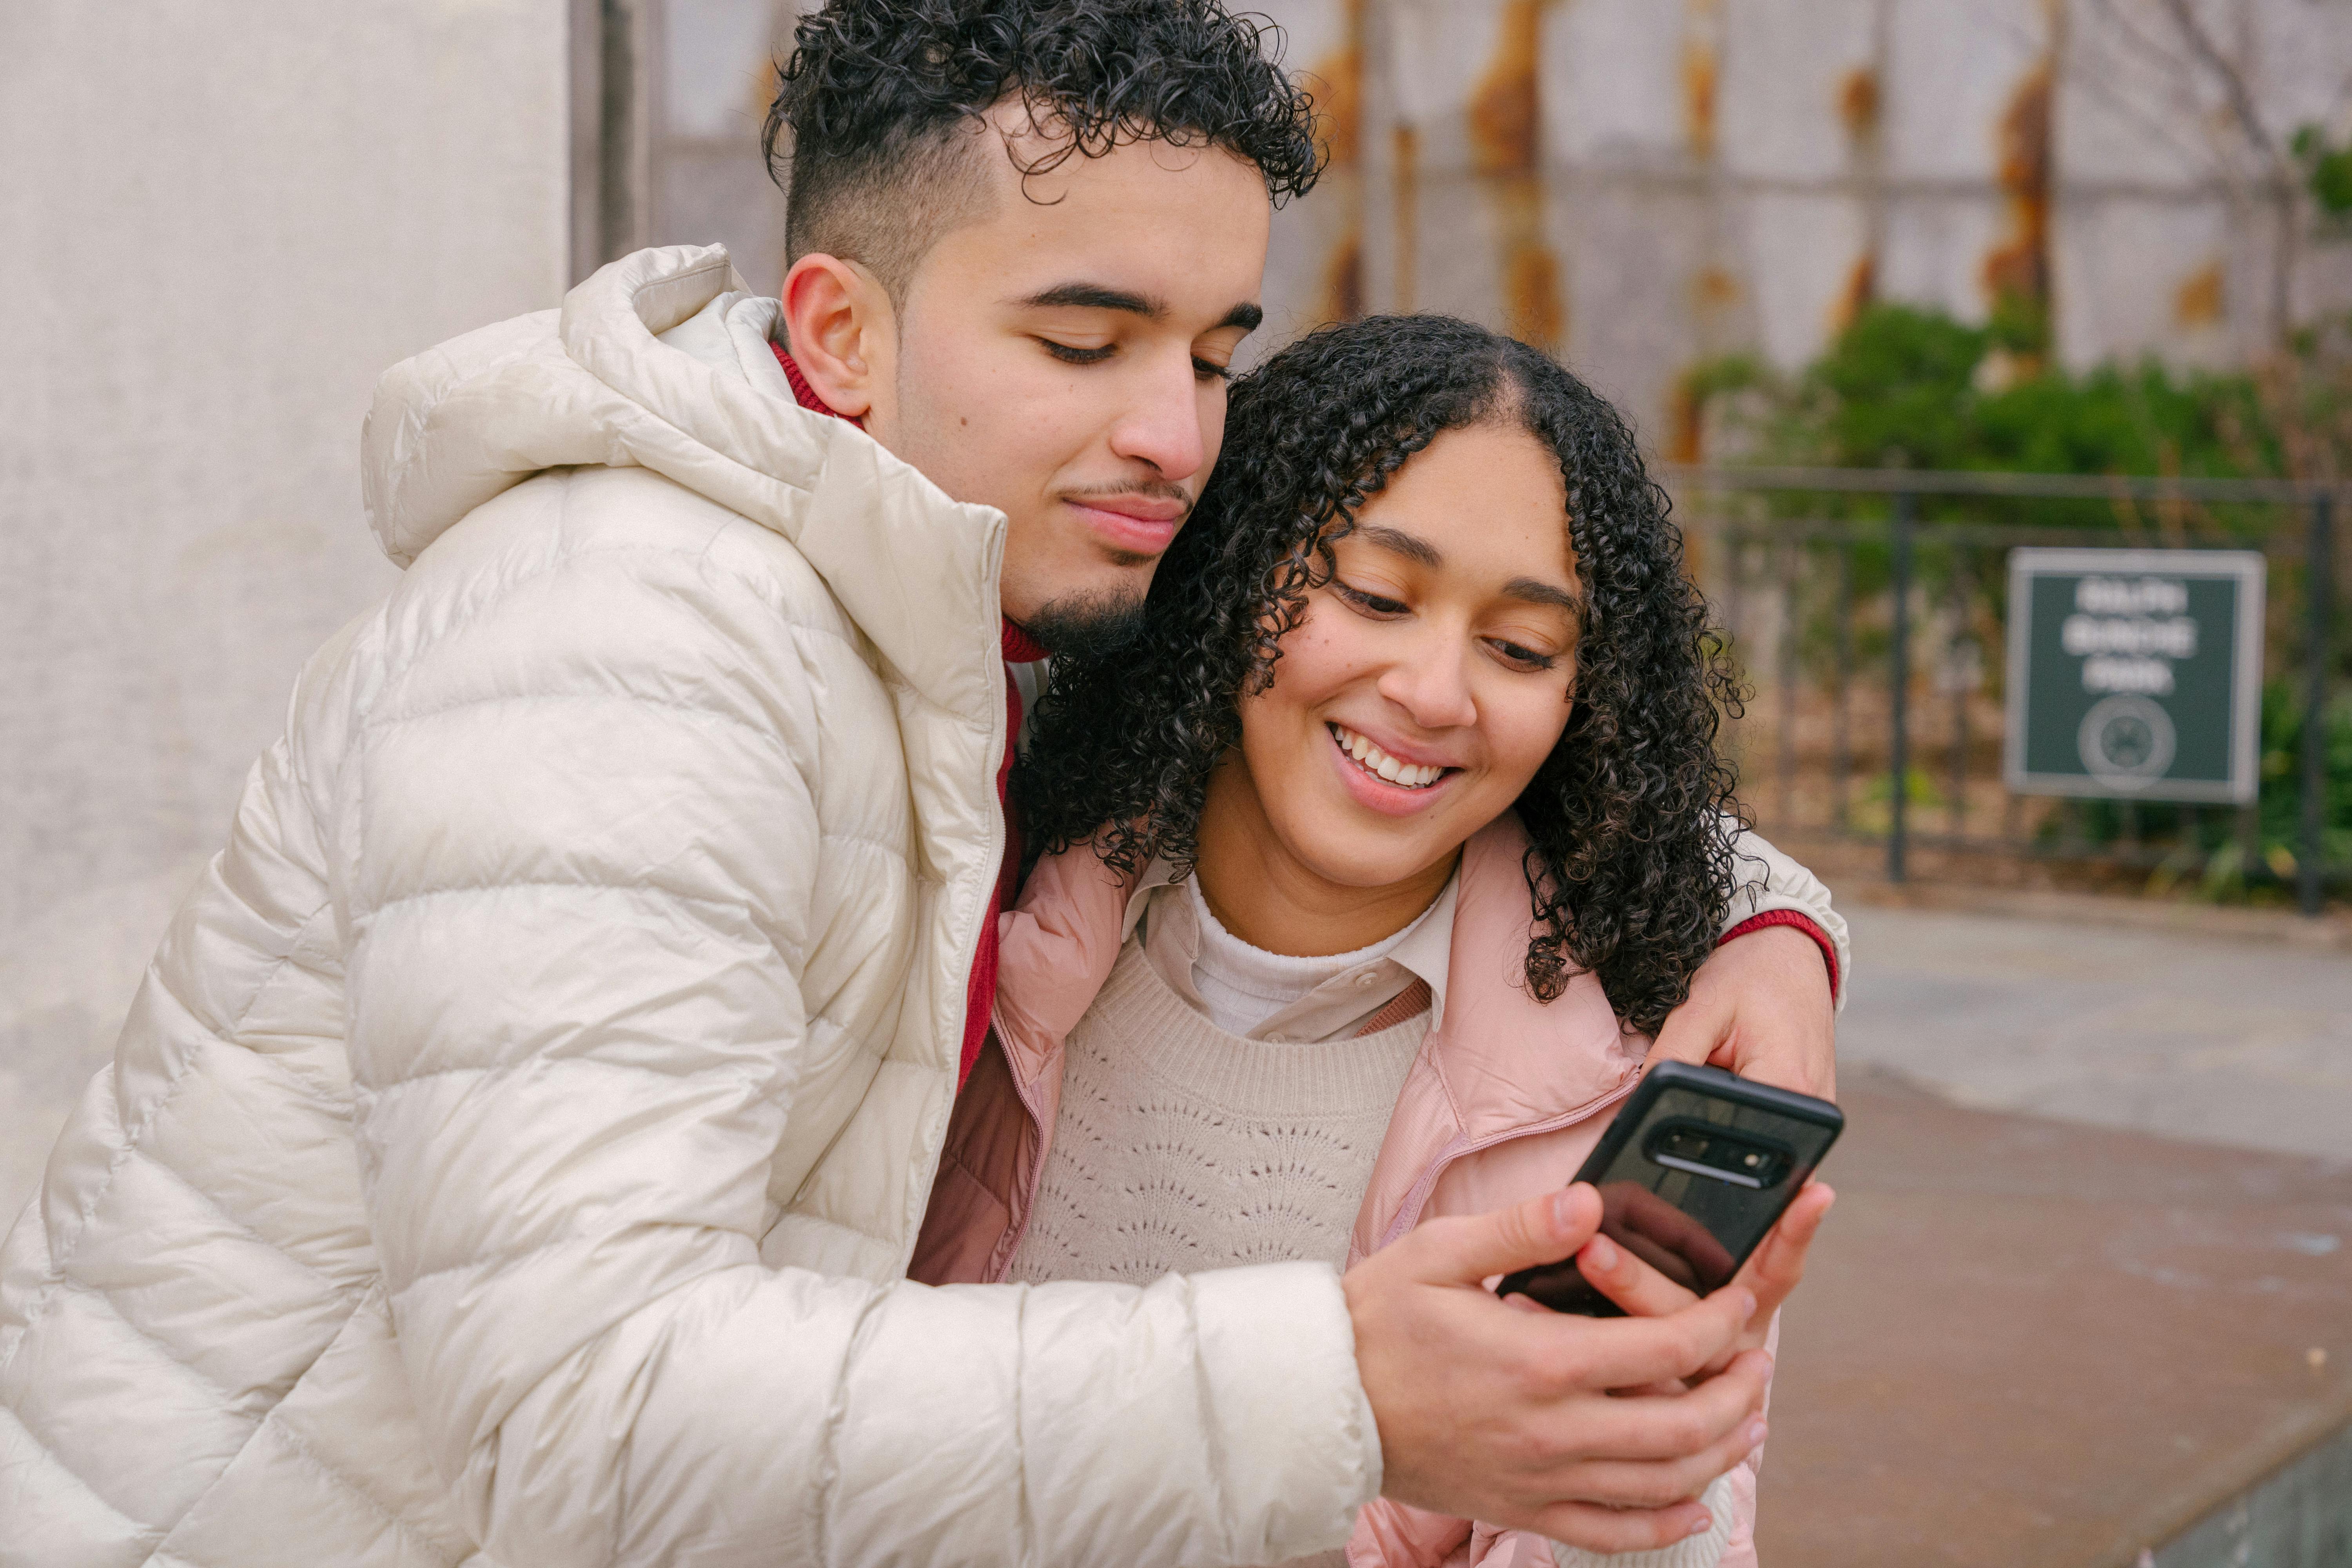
[
  {"x": 1380, "y": 607},
  {"x": 1526, "y": 659},
  {"x": 1370, "y": 604}
]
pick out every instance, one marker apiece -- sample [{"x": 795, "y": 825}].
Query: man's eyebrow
[
  {"x": 1096, "y": 297},
  {"x": 1529, "y": 589},
  {"x": 1411, "y": 546},
  {"x": 1246, "y": 315}
]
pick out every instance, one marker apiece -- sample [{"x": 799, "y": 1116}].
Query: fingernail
[
  {"x": 1702, "y": 1524},
  {"x": 1560, "y": 1203},
  {"x": 1756, "y": 1430},
  {"x": 1600, "y": 1252}
]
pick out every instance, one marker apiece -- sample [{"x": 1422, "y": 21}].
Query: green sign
[{"x": 2134, "y": 674}]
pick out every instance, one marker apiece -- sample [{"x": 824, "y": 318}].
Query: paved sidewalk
[
  {"x": 2086, "y": 1284},
  {"x": 2215, "y": 1039},
  {"x": 2025, "y": 1343}
]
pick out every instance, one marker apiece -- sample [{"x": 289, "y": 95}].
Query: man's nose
[{"x": 1162, "y": 424}]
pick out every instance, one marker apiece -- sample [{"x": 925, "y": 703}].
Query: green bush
[{"x": 1908, "y": 388}]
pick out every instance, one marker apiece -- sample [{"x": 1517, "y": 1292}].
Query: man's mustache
[{"x": 1155, "y": 489}]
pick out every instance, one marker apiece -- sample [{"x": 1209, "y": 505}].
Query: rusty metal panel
[
  {"x": 1628, "y": 110},
  {"x": 1967, "y": 129},
  {"x": 1453, "y": 201},
  {"x": 1810, "y": 261},
  {"x": 1315, "y": 262},
  {"x": 1642, "y": 185},
  {"x": 2167, "y": 224},
  {"x": 2152, "y": 277},
  {"x": 1954, "y": 68},
  {"x": 1798, "y": 98},
  {"x": 1623, "y": 86}
]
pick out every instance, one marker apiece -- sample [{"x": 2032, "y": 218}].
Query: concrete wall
[{"x": 220, "y": 227}]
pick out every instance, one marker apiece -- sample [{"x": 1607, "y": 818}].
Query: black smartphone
[{"x": 1692, "y": 1174}]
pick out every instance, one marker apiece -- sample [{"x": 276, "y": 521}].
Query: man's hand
[
  {"x": 1760, "y": 1006},
  {"x": 1490, "y": 1412},
  {"x": 1772, "y": 1271}
]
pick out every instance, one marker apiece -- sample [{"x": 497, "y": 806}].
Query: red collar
[
  {"x": 802, "y": 393},
  {"x": 1020, "y": 647}
]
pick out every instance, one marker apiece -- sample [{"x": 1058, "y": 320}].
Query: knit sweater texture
[{"x": 1182, "y": 1147}]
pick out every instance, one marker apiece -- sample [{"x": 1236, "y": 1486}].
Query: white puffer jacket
[
  {"x": 516, "y": 1149},
  {"x": 518, "y": 1140}
]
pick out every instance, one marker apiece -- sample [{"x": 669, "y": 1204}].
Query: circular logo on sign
[{"x": 2126, "y": 741}]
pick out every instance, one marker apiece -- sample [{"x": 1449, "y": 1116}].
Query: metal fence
[{"x": 1866, "y": 609}]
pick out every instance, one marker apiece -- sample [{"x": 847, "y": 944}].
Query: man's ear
[{"x": 841, "y": 332}]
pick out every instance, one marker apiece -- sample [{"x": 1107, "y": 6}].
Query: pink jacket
[{"x": 1505, "y": 1101}]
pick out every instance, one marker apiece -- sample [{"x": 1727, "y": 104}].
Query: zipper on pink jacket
[{"x": 1001, "y": 1259}]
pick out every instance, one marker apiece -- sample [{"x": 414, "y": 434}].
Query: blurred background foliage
[{"x": 1906, "y": 387}]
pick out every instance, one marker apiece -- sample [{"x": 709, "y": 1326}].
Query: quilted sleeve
[
  {"x": 1765, "y": 879},
  {"x": 582, "y": 829}
]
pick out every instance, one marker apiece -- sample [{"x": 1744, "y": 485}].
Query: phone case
[{"x": 1692, "y": 1173}]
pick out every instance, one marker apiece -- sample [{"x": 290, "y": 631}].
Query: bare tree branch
[
  {"x": 2125, "y": 26},
  {"x": 2233, "y": 82},
  {"x": 2104, "y": 87}
]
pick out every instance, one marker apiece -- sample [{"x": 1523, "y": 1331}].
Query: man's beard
[{"x": 1088, "y": 627}]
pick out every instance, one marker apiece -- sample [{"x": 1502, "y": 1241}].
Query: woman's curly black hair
[{"x": 1629, "y": 861}]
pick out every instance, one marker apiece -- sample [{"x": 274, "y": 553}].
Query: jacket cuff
[
  {"x": 1302, "y": 1452},
  {"x": 1800, "y": 921},
  {"x": 1764, "y": 880}
]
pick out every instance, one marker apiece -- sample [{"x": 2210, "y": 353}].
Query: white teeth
[{"x": 1413, "y": 776}]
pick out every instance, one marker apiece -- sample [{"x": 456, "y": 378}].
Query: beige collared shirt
[{"x": 1334, "y": 1009}]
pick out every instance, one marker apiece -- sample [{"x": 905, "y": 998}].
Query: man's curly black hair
[
  {"x": 877, "y": 92},
  {"x": 1629, "y": 863}
]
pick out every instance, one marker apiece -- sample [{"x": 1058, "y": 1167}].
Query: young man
[{"x": 516, "y": 1149}]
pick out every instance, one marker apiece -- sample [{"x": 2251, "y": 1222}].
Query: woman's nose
[{"x": 1432, "y": 685}]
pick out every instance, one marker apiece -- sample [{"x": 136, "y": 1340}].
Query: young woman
[{"x": 1368, "y": 870}]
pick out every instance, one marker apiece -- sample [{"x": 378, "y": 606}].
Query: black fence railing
[{"x": 1867, "y": 608}]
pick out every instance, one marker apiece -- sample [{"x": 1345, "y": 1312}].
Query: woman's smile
[{"x": 1381, "y": 779}]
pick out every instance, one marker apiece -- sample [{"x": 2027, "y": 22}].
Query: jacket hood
[{"x": 660, "y": 359}]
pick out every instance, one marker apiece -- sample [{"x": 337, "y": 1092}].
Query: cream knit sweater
[{"x": 1180, "y": 1147}]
